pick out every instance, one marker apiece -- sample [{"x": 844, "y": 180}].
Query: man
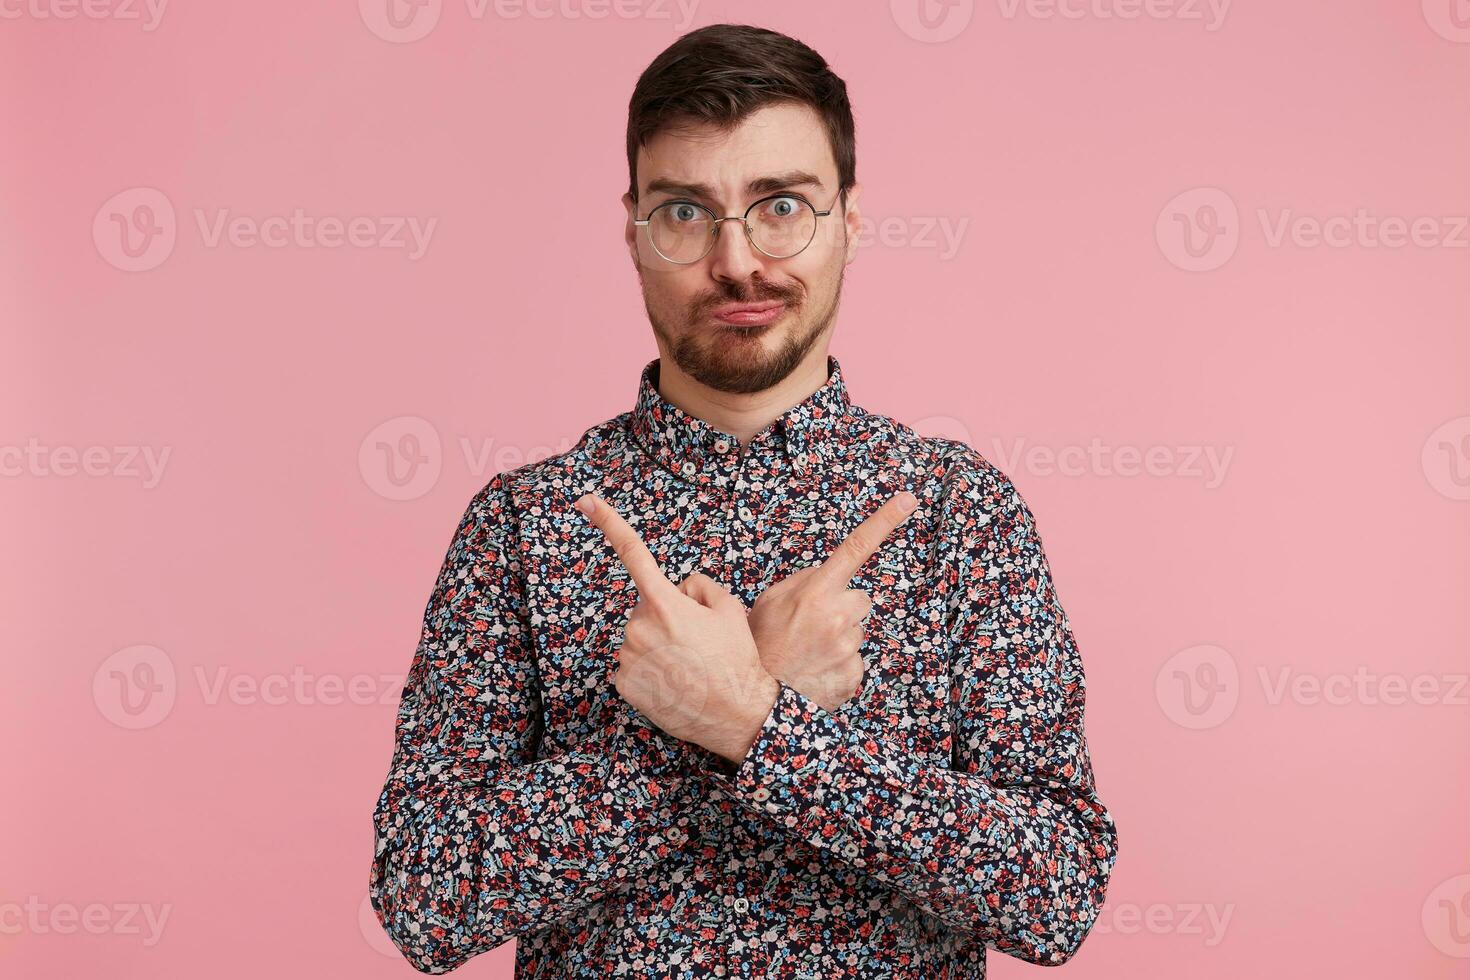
[{"x": 751, "y": 681}]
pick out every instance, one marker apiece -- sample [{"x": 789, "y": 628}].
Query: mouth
[{"x": 749, "y": 314}]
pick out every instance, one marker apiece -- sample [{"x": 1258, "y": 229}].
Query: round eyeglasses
[{"x": 779, "y": 226}]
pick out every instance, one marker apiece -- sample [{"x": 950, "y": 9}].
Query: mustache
[{"x": 758, "y": 291}]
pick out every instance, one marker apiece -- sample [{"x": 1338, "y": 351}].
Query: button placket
[{"x": 741, "y": 517}]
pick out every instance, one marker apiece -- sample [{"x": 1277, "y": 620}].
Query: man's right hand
[
  {"x": 809, "y": 627},
  {"x": 688, "y": 662}
]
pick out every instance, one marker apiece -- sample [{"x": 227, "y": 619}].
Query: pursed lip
[
  {"x": 749, "y": 315},
  {"x": 735, "y": 308}
]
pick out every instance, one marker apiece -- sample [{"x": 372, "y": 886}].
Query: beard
[{"x": 735, "y": 359}]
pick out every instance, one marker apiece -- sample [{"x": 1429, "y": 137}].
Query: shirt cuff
[
  {"x": 649, "y": 781},
  {"x": 787, "y": 770},
  {"x": 851, "y": 792}
]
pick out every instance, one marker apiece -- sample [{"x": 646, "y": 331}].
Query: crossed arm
[{"x": 478, "y": 841}]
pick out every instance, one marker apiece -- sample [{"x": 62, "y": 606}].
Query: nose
[{"x": 733, "y": 257}]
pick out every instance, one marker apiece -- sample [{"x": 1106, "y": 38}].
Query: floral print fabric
[{"x": 948, "y": 807}]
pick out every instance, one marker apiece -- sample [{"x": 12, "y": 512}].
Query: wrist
[{"x": 747, "y": 723}]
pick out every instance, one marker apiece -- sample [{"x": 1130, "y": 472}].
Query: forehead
[{"x": 772, "y": 139}]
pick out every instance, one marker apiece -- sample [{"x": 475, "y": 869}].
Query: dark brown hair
[{"x": 722, "y": 73}]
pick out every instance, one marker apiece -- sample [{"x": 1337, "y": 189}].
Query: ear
[
  {"x": 853, "y": 220},
  {"x": 630, "y": 231}
]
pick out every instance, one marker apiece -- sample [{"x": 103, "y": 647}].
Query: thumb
[{"x": 704, "y": 590}]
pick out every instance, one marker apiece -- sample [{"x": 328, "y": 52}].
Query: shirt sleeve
[
  {"x": 477, "y": 839},
  {"x": 1009, "y": 844}
]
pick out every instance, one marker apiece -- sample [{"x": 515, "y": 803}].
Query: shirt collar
[{"x": 804, "y": 436}]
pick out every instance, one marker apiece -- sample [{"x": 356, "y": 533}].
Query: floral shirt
[{"x": 949, "y": 806}]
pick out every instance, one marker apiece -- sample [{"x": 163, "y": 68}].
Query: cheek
[
  {"x": 819, "y": 274},
  {"x": 672, "y": 288}
]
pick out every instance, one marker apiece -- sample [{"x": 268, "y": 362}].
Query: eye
[
  {"x": 789, "y": 206},
  {"x": 683, "y": 212}
]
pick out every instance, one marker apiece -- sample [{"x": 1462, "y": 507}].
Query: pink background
[{"x": 1262, "y": 833}]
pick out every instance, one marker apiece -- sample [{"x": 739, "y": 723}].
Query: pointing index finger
[
  {"x": 865, "y": 539},
  {"x": 636, "y": 558}
]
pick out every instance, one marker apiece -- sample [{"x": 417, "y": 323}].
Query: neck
[{"x": 742, "y": 415}]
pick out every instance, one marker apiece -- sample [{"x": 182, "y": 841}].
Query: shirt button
[
  {"x": 746, "y": 514},
  {"x": 742, "y": 905},
  {"x": 760, "y": 794},
  {"x": 688, "y": 468},
  {"x": 851, "y": 850},
  {"x": 721, "y": 446}
]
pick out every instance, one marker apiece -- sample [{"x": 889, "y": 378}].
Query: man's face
[{"x": 738, "y": 320}]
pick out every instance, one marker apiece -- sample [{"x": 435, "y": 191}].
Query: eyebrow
[{"x": 760, "y": 185}]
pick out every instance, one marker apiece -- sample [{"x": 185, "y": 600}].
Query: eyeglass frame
[{"x": 714, "y": 233}]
